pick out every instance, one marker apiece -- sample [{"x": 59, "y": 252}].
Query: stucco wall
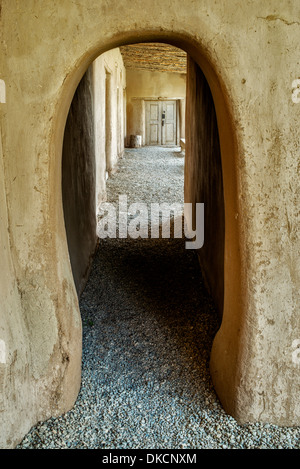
[
  {"x": 204, "y": 181},
  {"x": 86, "y": 159},
  {"x": 150, "y": 84},
  {"x": 109, "y": 116},
  {"x": 14, "y": 343},
  {"x": 78, "y": 181},
  {"x": 248, "y": 52}
]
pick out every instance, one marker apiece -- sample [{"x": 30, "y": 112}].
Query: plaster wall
[
  {"x": 248, "y": 53},
  {"x": 108, "y": 70},
  {"x": 86, "y": 156},
  {"x": 203, "y": 178},
  {"x": 145, "y": 84},
  {"x": 15, "y": 353},
  {"x": 78, "y": 181}
]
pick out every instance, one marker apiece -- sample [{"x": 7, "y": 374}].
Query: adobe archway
[
  {"x": 41, "y": 321},
  {"x": 227, "y": 137}
]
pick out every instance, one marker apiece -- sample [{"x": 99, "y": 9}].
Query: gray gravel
[{"x": 148, "y": 327}]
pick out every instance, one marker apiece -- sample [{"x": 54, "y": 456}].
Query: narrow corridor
[{"x": 148, "y": 326}]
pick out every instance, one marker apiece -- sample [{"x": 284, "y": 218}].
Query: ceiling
[{"x": 154, "y": 57}]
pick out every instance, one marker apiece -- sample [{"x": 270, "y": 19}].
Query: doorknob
[{"x": 163, "y": 116}]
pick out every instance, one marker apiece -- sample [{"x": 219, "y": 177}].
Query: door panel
[
  {"x": 169, "y": 130},
  {"x": 154, "y": 111},
  {"x": 154, "y": 134},
  {"x": 153, "y": 123},
  {"x": 169, "y": 135},
  {"x": 161, "y": 123}
]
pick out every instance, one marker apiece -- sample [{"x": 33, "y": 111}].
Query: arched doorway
[
  {"x": 221, "y": 263},
  {"x": 255, "y": 374}
]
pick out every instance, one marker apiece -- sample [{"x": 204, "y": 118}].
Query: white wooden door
[
  {"x": 153, "y": 123},
  {"x": 161, "y": 122},
  {"x": 169, "y": 123}
]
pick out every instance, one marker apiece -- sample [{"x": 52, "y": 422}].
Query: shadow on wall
[
  {"x": 204, "y": 179},
  {"x": 78, "y": 182}
]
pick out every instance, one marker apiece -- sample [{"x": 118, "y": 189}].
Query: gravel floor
[{"x": 148, "y": 326}]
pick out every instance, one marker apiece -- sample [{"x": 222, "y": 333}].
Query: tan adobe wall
[{"x": 248, "y": 53}]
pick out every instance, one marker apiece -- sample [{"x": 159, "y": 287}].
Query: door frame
[{"x": 177, "y": 120}]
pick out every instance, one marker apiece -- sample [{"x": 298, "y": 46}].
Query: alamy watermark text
[{"x": 141, "y": 221}]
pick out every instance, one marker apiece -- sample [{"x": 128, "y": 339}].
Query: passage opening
[
  {"x": 149, "y": 314},
  {"x": 164, "y": 99}
]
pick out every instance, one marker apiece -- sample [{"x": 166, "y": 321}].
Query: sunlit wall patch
[
  {"x": 296, "y": 91},
  {"x": 2, "y": 92},
  {"x": 2, "y": 352}
]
